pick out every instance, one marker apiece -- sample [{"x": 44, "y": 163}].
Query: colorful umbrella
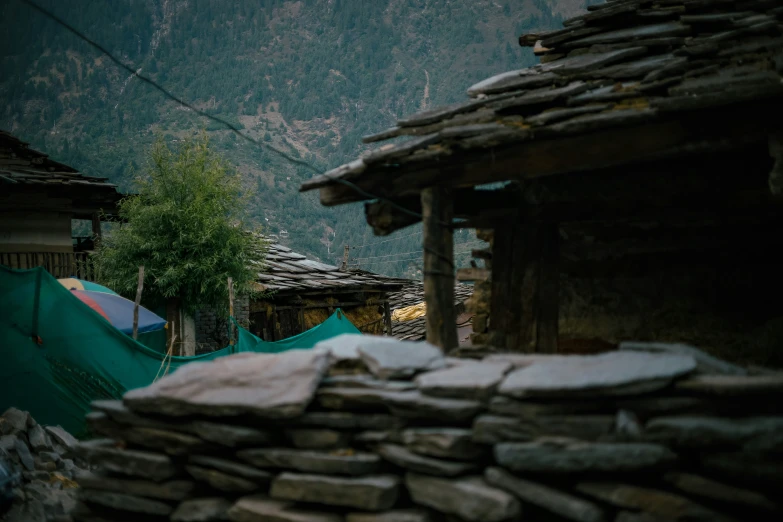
[
  {"x": 71, "y": 283},
  {"x": 119, "y": 311}
]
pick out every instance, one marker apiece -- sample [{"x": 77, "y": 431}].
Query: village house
[
  {"x": 301, "y": 294},
  {"x": 39, "y": 198},
  {"x": 642, "y": 167}
]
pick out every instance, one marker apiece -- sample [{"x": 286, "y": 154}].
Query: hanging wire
[
  {"x": 228, "y": 125},
  {"x": 387, "y": 240}
]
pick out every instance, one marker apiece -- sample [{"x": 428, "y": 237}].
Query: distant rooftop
[
  {"x": 289, "y": 272},
  {"x": 23, "y": 169}
]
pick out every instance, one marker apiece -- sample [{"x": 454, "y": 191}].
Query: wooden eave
[{"x": 623, "y": 87}]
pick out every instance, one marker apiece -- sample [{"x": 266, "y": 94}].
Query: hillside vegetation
[{"x": 309, "y": 77}]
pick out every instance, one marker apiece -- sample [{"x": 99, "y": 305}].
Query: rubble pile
[
  {"x": 367, "y": 429},
  {"x": 44, "y": 461}
]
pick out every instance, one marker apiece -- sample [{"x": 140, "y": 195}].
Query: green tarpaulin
[{"x": 58, "y": 354}]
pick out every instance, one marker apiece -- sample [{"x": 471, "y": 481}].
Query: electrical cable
[{"x": 217, "y": 119}]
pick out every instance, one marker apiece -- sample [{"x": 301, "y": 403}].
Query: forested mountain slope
[{"x": 309, "y": 77}]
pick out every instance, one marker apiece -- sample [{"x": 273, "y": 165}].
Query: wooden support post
[
  {"x": 548, "y": 291},
  {"x": 174, "y": 318},
  {"x": 139, "y": 288},
  {"x": 96, "y": 228},
  {"x": 346, "y": 250},
  {"x": 387, "y": 318},
  {"x": 437, "y": 214},
  {"x": 776, "y": 175},
  {"x": 230, "y": 311}
]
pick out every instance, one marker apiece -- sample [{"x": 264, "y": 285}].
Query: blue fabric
[{"x": 120, "y": 313}]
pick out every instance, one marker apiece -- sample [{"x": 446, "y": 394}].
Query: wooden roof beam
[
  {"x": 385, "y": 218},
  {"x": 591, "y": 150}
]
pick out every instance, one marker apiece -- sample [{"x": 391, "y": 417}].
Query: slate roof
[
  {"x": 289, "y": 272},
  {"x": 413, "y": 293},
  {"x": 626, "y": 63},
  {"x": 416, "y": 330},
  {"x": 23, "y": 167}
]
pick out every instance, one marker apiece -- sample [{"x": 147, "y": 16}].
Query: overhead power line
[
  {"x": 217, "y": 119},
  {"x": 386, "y": 240}
]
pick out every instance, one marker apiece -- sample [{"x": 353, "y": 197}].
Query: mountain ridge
[{"x": 309, "y": 77}]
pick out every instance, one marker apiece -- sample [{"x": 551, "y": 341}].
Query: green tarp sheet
[{"x": 57, "y": 355}]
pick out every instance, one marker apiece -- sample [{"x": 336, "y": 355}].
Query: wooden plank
[
  {"x": 481, "y": 253},
  {"x": 502, "y": 306},
  {"x": 437, "y": 212},
  {"x": 96, "y": 228},
  {"x": 386, "y": 217},
  {"x": 473, "y": 274},
  {"x": 548, "y": 291},
  {"x": 230, "y": 310},
  {"x": 137, "y": 302},
  {"x": 699, "y": 132},
  {"x": 387, "y": 318}
]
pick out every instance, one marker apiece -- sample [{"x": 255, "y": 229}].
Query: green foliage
[
  {"x": 188, "y": 226},
  {"x": 319, "y": 73}
]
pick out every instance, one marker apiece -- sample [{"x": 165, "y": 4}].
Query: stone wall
[
  {"x": 729, "y": 307},
  {"x": 212, "y": 332},
  {"x": 371, "y": 429}
]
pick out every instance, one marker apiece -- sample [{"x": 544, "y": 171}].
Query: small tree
[{"x": 189, "y": 227}]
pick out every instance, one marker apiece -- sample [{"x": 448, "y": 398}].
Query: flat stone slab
[
  {"x": 210, "y": 509},
  {"x": 372, "y": 437},
  {"x": 705, "y": 363},
  {"x": 62, "y": 437},
  {"x": 391, "y": 359},
  {"x": 222, "y": 481},
  {"x": 608, "y": 374},
  {"x": 274, "y": 386},
  {"x": 134, "y": 463},
  {"x": 557, "y": 456},
  {"x": 366, "y": 381},
  {"x": 17, "y": 419},
  {"x": 124, "y": 502},
  {"x": 121, "y": 414},
  {"x": 493, "y": 429},
  {"x": 231, "y": 467},
  {"x": 762, "y": 434},
  {"x": 374, "y": 493},
  {"x": 519, "y": 360},
  {"x": 394, "y": 515},
  {"x": 309, "y": 461},
  {"x": 410, "y": 404},
  {"x": 348, "y": 421},
  {"x": 449, "y": 443},
  {"x": 23, "y": 452},
  {"x": 216, "y": 432},
  {"x": 170, "y": 490},
  {"x": 742, "y": 466},
  {"x": 508, "y": 407},
  {"x": 38, "y": 438},
  {"x": 171, "y": 442},
  {"x": 404, "y": 458},
  {"x": 712, "y": 490},
  {"x": 732, "y": 385},
  {"x": 386, "y": 358},
  {"x": 661, "y": 504},
  {"x": 259, "y": 508},
  {"x": 318, "y": 438},
  {"x": 469, "y": 498},
  {"x": 544, "y": 497},
  {"x": 230, "y": 436},
  {"x": 476, "y": 381}
]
